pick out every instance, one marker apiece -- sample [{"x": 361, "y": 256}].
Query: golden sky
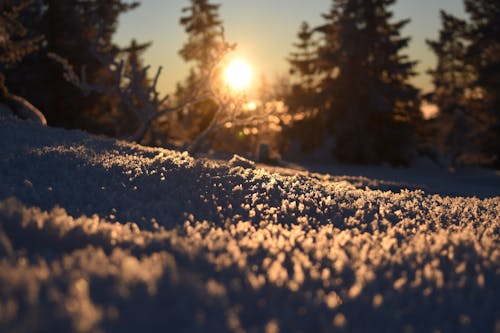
[{"x": 265, "y": 31}]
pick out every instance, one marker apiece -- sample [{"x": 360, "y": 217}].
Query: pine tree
[
  {"x": 364, "y": 87},
  {"x": 303, "y": 60},
  {"x": 15, "y": 43},
  {"x": 451, "y": 78},
  {"x": 302, "y": 99},
  {"x": 483, "y": 54},
  {"x": 133, "y": 64},
  {"x": 70, "y": 29},
  {"x": 203, "y": 26},
  {"x": 204, "y": 29},
  {"x": 467, "y": 82}
]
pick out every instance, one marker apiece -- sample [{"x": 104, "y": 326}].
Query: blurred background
[{"x": 349, "y": 81}]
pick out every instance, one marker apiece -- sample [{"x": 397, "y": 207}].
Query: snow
[
  {"x": 98, "y": 235},
  {"x": 423, "y": 174}
]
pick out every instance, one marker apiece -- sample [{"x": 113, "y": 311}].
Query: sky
[{"x": 265, "y": 31}]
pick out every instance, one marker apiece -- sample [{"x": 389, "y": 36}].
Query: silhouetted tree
[
  {"x": 70, "y": 28},
  {"x": 483, "y": 54},
  {"x": 302, "y": 99},
  {"x": 451, "y": 78},
  {"x": 467, "y": 82},
  {"x": 303, "y": 62},
  {"x": 203, "y": 26},
  {"x": 370, "y": 105},
  {"x": 15, "y": 43},
  {"x": 133, "y": 65},
  {"x": 205, "y": 41}
]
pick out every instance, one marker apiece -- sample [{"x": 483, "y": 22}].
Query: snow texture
[{"x": 98, "y": 235}]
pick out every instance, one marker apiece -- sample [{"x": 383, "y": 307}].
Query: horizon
[{"x": 267, "y": 45}]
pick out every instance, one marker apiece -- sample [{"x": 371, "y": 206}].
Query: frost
[
  {"x": 100, "y": 235},
  {"x": 238, "y": 161}
]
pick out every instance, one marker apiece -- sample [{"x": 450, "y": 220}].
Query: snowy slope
[{"x": 100, "y": 235}]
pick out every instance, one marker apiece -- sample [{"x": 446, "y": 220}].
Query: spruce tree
[
  {"x": 451, "y": 78},
  {"x": 370, "y": 105},
  {"x": 302, "y": 98},
  {"x": 70, "y": 29},
  {"x": 204, "y": 28},
  {"x": 15, "y": 42},
  {"x": 483, "y": 54},
  {"x": 303, "y": 60},
  {"x": 467, "y": 82},
  {"x": 133, "y": 65}
]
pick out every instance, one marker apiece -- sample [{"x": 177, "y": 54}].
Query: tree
[
  {"x": 70, "y": 27},
  {"x": 14, "y": 42},
  {"x": 205, "y": 42},
  {"x": 303, "y": 60},
  {"x": 203, "y": 26},
  {"x": 467, "y": 82},
  {"x": 133, "y": 66},
  {"x": 451, "y": 78},
  {"x": 364, "y": 83},
  {"x": 302, "y": 99},
  {"x": 483, "y": 54}
]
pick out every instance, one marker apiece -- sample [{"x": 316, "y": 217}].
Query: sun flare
[{"x": 238, "y": 74}]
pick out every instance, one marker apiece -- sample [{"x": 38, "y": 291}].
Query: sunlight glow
[
  {"x": 238, "y": 75},
  {"x": 429, "y": 111},
  {"x": 250, "y": 106}
]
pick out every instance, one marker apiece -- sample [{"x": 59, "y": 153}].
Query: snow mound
[
  {"x": 238, "y": 161},
  {"x": 101, "y": 235}
]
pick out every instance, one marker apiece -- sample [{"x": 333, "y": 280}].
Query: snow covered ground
[{"x": 98, "y": 235}]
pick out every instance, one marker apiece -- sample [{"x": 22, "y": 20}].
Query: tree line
[
  {"x": 348, "y": 88},
  {"x": 351, "y": 83}
]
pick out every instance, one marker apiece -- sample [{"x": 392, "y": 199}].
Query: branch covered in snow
[
  {"x": 230, "y": 112},
  {"x": 148, "y": 104}
]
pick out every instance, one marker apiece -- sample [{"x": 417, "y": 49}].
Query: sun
[{"x": 238, "y": 74}]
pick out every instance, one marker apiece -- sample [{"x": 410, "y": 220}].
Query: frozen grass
[{"x": 100, "y": 235}]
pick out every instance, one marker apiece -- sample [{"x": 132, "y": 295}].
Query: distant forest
[{"x": 347, "y": 96}]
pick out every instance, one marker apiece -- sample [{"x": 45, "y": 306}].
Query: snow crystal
[
  {"x": 238, "y": 161},
  {"x": 101, "y": 235}
]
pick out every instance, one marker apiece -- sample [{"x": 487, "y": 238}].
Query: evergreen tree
[
  {"x": 15, "y": 43},
  {"x": 133, "y": 65},
  {"x": 71, "y": 28},
  {"x": 303, "y": 60},
  {"x": 483, "y": 54},
  {"x": 370, "y": 105},
  {"x": 302, "y": 99},
  {"x": 451, "y": 78},
  {"x": 203, "y": 26},
  {"x": 467, "y": 82},
  {"x": 204, "y": 29}
]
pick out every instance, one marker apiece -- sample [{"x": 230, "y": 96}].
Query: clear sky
[{"x": 265, "y": 31}]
